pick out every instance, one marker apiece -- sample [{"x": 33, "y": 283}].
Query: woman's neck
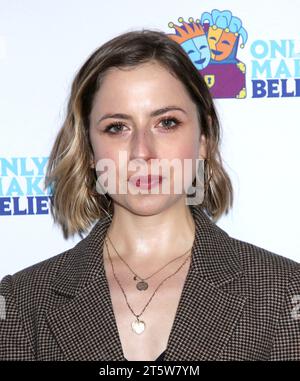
[{"x": 161, "y": 236}]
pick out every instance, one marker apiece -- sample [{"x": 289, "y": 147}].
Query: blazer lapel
[
  {"x": 204, "y": 322},
  {"x": 206, "y": 314},
  {"x": 85, "y": 326}
]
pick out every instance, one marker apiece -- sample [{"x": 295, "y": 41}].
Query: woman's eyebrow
[{"x": 153, "y": 113}]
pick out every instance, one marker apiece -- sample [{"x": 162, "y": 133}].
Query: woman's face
[{"x": 156, "y": 120}]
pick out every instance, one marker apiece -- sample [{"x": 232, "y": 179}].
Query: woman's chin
[{"x": 147, "y": 205}]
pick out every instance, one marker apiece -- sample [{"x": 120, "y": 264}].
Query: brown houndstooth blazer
[{"x": 236, "y": 304}]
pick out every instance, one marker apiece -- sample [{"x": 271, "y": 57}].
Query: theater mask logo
[{"x": 212, "y": 43}]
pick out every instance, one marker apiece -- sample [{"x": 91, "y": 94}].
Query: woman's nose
[{"x": 142, "y": 145}]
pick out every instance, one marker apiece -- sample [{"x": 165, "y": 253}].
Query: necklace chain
[
  {"x": 139, "y": 326},
  {"x": 136, "y": 275}
]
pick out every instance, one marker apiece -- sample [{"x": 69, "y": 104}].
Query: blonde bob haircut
[{"x": 75, "y": 203}]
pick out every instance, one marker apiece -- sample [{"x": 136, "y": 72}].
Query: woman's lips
[{"x": 146, "y": 182}]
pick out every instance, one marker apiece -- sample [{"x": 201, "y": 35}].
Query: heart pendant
[{"x": 138, "y": 326}]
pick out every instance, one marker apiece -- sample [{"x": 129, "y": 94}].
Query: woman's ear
[
  {"x": 203, "y": 144},
  {"x": 209, "y": 119},
  {"x": 92, "y": 163},
  {"x": 203, "y": 147}
]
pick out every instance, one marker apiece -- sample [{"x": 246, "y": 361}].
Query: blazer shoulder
[
  {"x": 41, "y": 274},
  {"x": 255, "y": 258},
  {"x": 38, "y": 278}
]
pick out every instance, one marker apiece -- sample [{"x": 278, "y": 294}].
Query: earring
[
  {"x": 210, "y": 172},
  {"x": 196, "y": 194}
]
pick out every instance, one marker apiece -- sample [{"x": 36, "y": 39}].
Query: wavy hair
[{"x": 75, "y": 203}]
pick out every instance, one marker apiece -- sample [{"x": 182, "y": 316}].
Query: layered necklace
[{"x": 138, "y": 326}]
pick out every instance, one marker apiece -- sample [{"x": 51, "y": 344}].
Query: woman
[{"x": 155, "y": 278}]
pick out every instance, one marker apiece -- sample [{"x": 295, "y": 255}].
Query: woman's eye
[
  {"x": 117, "y": 126},
  {"x": 170, "y": 123}
]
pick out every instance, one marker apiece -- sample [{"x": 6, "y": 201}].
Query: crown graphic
[{"x": 187, "y": 30}]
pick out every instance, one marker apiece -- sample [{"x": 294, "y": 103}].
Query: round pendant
[
  {"x": 138, "y": 326},
  {"x": 142, "y": 285}
]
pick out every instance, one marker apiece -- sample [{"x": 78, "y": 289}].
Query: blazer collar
[{"x": 85, "y": 326}]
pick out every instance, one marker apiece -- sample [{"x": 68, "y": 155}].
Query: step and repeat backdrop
[{"x": 251, "y": 64}]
